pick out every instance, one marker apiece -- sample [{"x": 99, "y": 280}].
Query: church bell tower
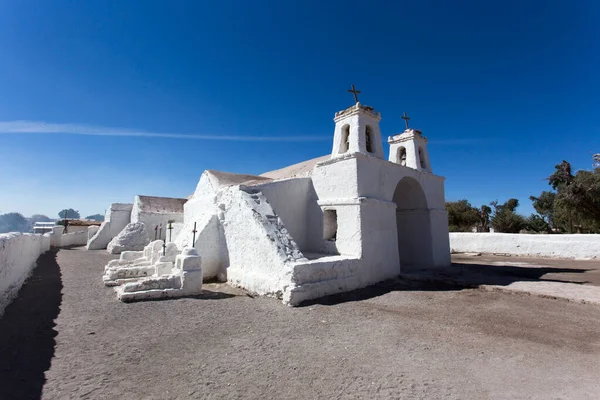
[
  {"x": 409, "y": 149},
  {"x": 357, "y": 131}
]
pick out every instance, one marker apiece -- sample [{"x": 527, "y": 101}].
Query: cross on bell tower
[
  {"x": 409, "y": 148},
  {"x": 357, "y": 131},
  {"x": 405, "y": 118},
  {"x": 355, "y": 93}
]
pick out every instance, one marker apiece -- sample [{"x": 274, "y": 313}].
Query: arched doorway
[{"x": 413, "y": 224}]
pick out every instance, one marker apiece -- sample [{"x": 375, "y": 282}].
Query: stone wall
[
  {"x": 18, "y": 254},
  {"x": 580, "y": 247}
]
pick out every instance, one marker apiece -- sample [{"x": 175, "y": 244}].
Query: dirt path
[{"x": 389, "y": 341}]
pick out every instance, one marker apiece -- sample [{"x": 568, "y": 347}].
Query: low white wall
[
  {"x": 18, "y": 254},
  {"x": 79, "y": 238},
  {"x": 582, "y": 247}
]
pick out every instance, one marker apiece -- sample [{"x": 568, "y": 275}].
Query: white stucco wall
[
  {"x": 201, "y": 209},
  {"x": 116, "y": 219},
  {"x": 18, "y": 254},
  {"x": 289, "y": 198},
  {"x": 357, "y": 176},
  {"x": 78, "y": 238},
  {"x": 261, "y": 252},
  {"x": 582, "y": 247},
  {"x": 154, "y": 219},
  {"x": 76, "y": 228}
]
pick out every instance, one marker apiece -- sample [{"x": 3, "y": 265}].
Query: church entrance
[{"x": 413, "y": 224}]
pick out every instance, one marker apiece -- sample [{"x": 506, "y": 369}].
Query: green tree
[
  {"x": 577, "y": 202},
  {"x": 95, "y": 217},
  {"x": 538, "y": 224},
  {"x": 462, "y": 217},
  {"x": 544, "y": 205},
  {"x": 13, "y": 222},
  {"x": 69, "y": 213},
  {"x": 484, "y": 213},
  {"x": 505, "y": 219}
]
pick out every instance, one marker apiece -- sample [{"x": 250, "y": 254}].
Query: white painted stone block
[{"x": 133, "y": 237}]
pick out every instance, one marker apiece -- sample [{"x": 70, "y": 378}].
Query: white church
[{"x": 328, "y": 225}]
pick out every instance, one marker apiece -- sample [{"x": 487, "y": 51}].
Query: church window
[
  {"x": 402, "y": 156},
  {"x": 369, "y": 139},
  {"x": 330, "y": 225},
  {"x": 345, "y": 143},
  {"x": 422, "y": 158}
]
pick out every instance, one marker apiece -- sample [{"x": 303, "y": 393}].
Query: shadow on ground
[
  {"x": 27, "y": 332},
  {"x": 459, "y": 276},
  {"x": 381, "y": 288},
  {"x": 205, "y": 295},
  {"x": 507, "y": 274}
]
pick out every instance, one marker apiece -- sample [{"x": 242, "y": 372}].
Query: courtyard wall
[
  {"x": 578, "y": 246},
  {"x": 18, "y": 255}
]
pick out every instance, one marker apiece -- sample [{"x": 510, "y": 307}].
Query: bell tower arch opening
[
  {"x": 345, "y": 143},
  {"x": 413, "y": 224}
]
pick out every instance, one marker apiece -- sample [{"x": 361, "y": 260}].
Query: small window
[
  {"x": 422, "y": 159},
  {"x": 402, "y": 156},
  {"x": 369, "y": 139},
  {"x": 330, "y": 225}
]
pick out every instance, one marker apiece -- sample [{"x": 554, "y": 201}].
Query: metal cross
[
  {"x": 405, "y": 118},
  {"x": 194, "y": 237},
  {"x": 170, "y": 228},
  {"x": 165, "y": 248},
  {"x": 155, "y": 231},
  {"x": 355, "y": 93}
]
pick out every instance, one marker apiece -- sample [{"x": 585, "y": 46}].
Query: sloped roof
[
  {"x": 83, "y": 222},
  {"x": 161, "y": 205},
  {"x": 231, "y": 179},
  {"x": 300, "y": 169}
]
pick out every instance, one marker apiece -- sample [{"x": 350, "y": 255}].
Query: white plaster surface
[
  {"x": 202, "y": 211},
  {"x": 289, "y": 199},
  {"x": 577, "y": 246},
  {"x": 355, "y": 120},
  {"x": 415, "y": 145},
  {"x": 56, "y": 236},
  {"x": 18, "y": 254},
  {"x": 133, "y": 237},
  {"x": 92, "y": 230},
  {"x": 157, "y": 212},
  {"x": 133, "y": 265},
  {"x": 115, "y": 220},
  {"x": 185, "y": 279},
  {"x": 261, "y": 251},
  {"x": 78, "y": 238}
]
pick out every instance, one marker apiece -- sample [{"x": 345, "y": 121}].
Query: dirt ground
[{"x": 68, "y": 337}]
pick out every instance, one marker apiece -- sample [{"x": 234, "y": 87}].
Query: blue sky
[{"x": 503, "y": 90}]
